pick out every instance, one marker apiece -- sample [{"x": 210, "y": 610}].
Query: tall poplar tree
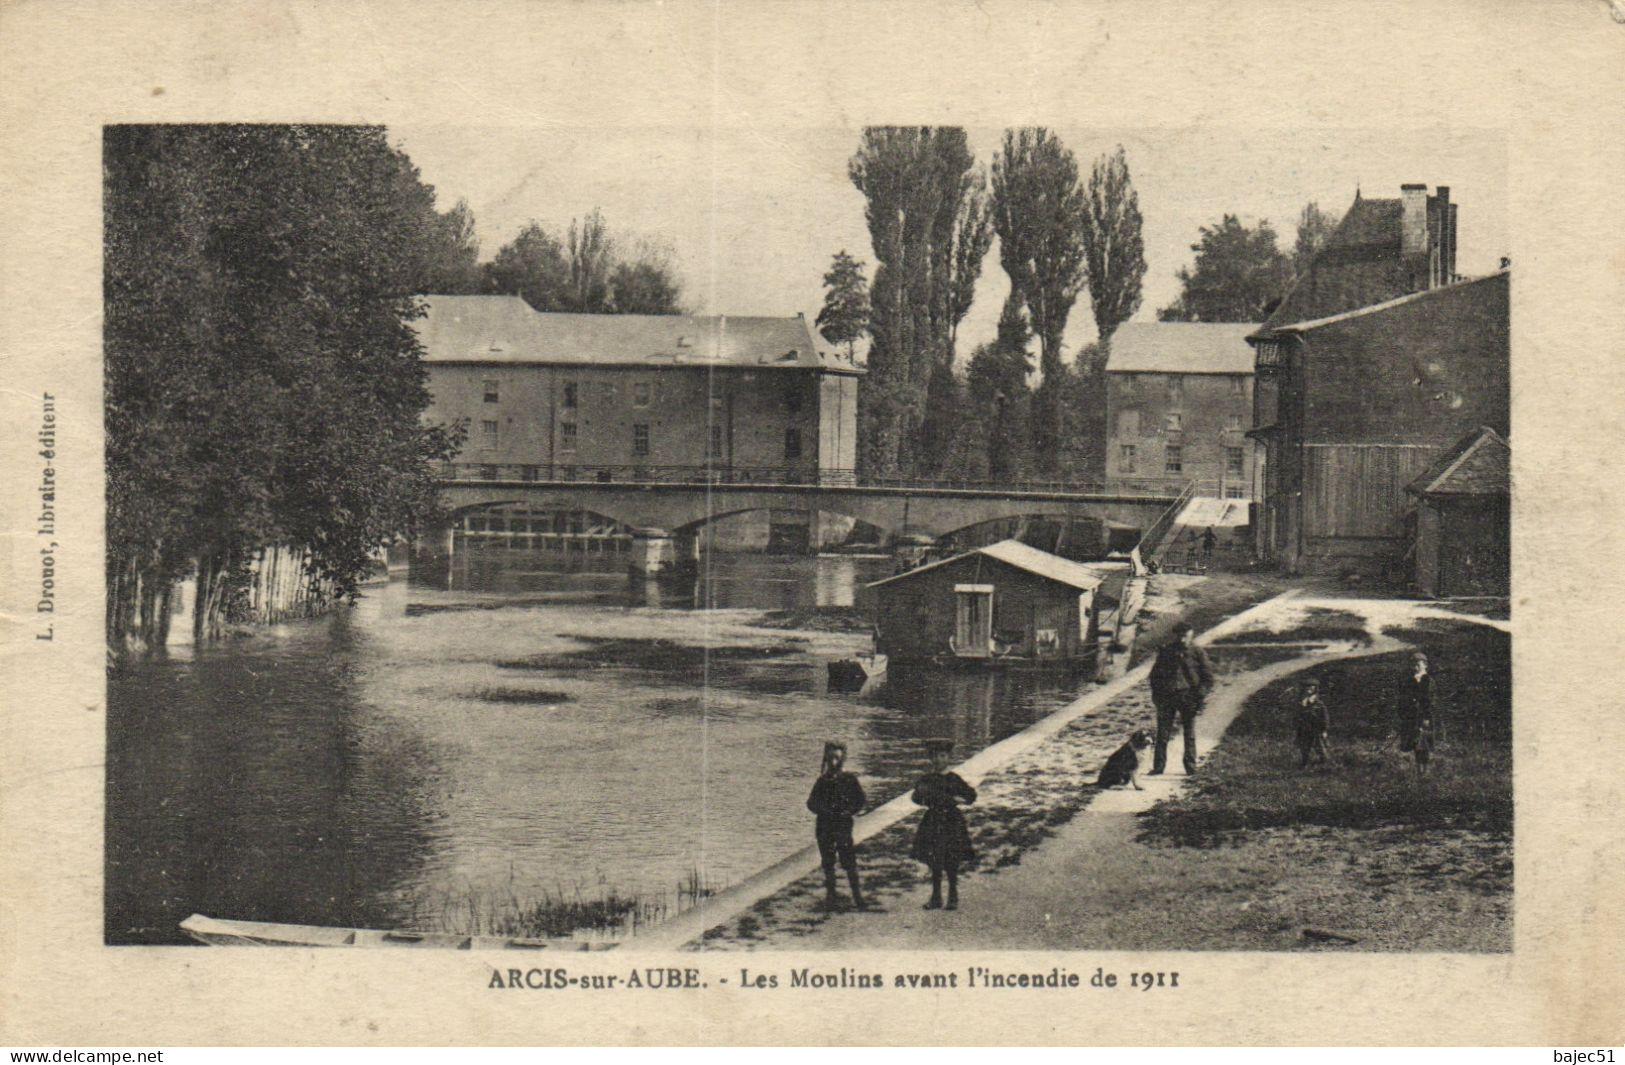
[
  {"x": 915, "y": 181},
  {"x": 1114, "y": 248},
  {"x": 1038, "y": 211}
]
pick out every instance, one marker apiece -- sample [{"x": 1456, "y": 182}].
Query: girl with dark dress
[
  {"x": 836, "y": 798},
  {"x": 943, "y": 841},
  {"x": 1416, "y": 713}
]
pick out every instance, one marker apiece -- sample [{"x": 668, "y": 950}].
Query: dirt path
[{"x": 1059, "y": 896}]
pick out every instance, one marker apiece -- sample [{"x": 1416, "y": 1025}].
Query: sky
[{"x": 754, "y": 215}]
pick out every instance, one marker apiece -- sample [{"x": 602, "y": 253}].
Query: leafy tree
[
  {"x": 1038, "y": 211},
  {"x": 844, "y": 318},
  {"x": 1239, "y": 274},
  {"x": 915, "y": 182},
  {"x": 533, "y": 266},
  {"x": 644, "y": 287},
  {"x": 451, "y": 253},
  {"x": 582, "y": 272},
  {"x": 1114, "y": 249},
  {"x": 1315, "y": 228},
  {"x": 998, "y": 398},
  {"x": 263, "y": 383},
  {"x": 590, "y": 256}
]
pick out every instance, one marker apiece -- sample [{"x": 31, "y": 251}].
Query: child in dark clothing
[
  {"x": 1311, "y": 722},
  {"x": 1416, "y": 713},
  {"x": 943, "y": 841},
  {"x": 836, "y": 797}
]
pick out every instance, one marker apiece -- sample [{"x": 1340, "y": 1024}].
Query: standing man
[
  {"x": 1181, "y": 677},
  {"x": 1209, "y": 541}
]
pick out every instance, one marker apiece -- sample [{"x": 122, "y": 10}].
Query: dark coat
[
  {"x": 943, "y": 837},
  {"x": 1179, "y": 669},
  {"x": 836, "y": 799},
  {"x": 1120, "y": 767},
  {"x": 1415, "y": 711},
  {"x": 1310, "y": 720}
]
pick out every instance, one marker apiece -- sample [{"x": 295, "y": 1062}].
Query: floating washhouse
[{"x": 1007, "y": 603}]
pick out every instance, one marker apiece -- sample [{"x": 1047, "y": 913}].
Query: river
[{"x": 509, "y": 731}]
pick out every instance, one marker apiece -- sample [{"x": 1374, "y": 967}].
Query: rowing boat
[{"x": 218, "y": 932}]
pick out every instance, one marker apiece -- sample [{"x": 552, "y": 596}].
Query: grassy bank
[{"x": 1364, "y": 846}]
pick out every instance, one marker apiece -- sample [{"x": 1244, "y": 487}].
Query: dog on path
[{"x": 1123, "y": 767}]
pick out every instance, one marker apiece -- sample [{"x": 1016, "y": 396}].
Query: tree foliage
[
  {"x": 919, "y": 185},
  {"x": 451, "y": 250},
  {"x": 1238, "y": 276},
  {"x": 583, "y": 271},
  {"x": 844, "y": 318},
  {"x": 1315, "y": 228},
  {"x": 263, "y": 383},
  {"x": 1038, "y": 212},
  {"x": 1114, "y": 248},
  {"x": 999, "y": 400}
]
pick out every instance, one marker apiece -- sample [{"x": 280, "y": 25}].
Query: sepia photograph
[
  {"x": 828, "y": 555},
  {"x": 700, "y": 523}
]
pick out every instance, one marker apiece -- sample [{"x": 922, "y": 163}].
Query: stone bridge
[{"x": 663, "y": 512}]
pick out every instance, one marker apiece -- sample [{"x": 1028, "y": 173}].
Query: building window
[
  {"x": 716, "y": 441},
  {"x": 792, "y": 444},
  {"x": 570, "y": 395},
  {"x": 1232, "y": 422},
  {"x": 1238, "y": 385},
  {"x": 1176, "y": 390},
  {"x": 491, "y": 392},
  {"x": 1173, "y": 421},
  {"x": 1128, "y": 423},
  {"x": 640, "y": 440},
  {"x": 641, "y": 393},
  {"x": 567, "y": 437},
  {"x": 488, "y": 435},
  {"x": 1233, "y": 460},
  {"x": 1125, "y": 458},
  {"x": 1173, "y": 459},
  {"x": 792, "y": 399},
  {"x": 1235, "y": 491}
]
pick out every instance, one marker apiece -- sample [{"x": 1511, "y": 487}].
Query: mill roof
[
  {"x": 1449, "y": 291},
  {"x": 505, "y": 329},
  {"x": 1015, "y": 553},
  {"x": 1181, "y": 347},
  {"x": 1479, "y": 464},
  {"x": 1370, "y": 231}
]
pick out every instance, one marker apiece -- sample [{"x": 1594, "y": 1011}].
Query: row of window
[
  {"x": 1128, "y": 422},
  {"x": 1175, "y": 384},
  {"x": 1173, "y": 459},
  {"x": 642, "y": 395},
  {"x": 642, "y": 442}
]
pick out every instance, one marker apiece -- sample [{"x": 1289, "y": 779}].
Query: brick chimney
[
  {"x": 1413, "y": 221},
  {"x": 1445, "y": 237}
]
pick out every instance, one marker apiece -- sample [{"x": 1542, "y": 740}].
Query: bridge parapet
[{"x": 790, "y": 476}]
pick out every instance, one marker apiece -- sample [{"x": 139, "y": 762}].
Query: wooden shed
[
  {"x": 1006, "y": 603},
  {"x": 1463, "y": 518}
]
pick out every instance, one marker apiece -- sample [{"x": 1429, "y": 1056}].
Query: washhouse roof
[{"x": 1017, "y": 554}]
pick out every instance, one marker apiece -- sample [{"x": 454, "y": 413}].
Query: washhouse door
[{"x": 973, "y": 620}]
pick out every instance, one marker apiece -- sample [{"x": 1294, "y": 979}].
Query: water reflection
[{"x": 503, "y": 727}]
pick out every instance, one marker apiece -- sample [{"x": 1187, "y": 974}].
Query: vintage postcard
[{"x": 984, "y": 523}]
